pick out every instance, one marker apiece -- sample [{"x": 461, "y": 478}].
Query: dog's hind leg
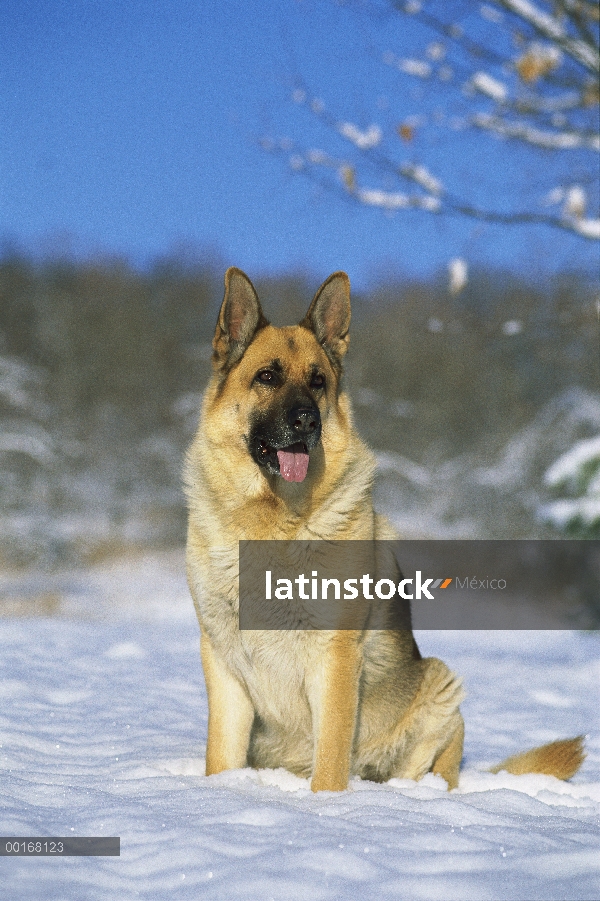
[
  {"x": 430, "y": 734},
  {"x": 447, "y": 764}
]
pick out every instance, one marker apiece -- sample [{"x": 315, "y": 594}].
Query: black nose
[{"x": 304, "y": 420}]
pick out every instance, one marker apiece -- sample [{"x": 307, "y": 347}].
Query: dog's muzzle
[{"x": 282, "y": 445}]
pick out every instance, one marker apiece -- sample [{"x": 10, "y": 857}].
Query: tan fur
[
  {"x": 558, "y": 758},
  {"x": 323, "y": 704}
]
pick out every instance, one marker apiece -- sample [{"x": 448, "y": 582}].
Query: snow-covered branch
[
  {"x": 527, "y": 73},
  {"x": 551, "y": 27},
  {"x": 341, "y": 176},
  {"x": 550, "y": 140}
]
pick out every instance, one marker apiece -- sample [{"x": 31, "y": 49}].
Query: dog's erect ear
[
  {"x": 329, "y": 316},
  {"x": 239, "y": 319}
]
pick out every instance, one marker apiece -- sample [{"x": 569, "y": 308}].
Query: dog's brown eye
[
  {"x": 266, "y": 376},
  {"x": 317, "y": 381}
]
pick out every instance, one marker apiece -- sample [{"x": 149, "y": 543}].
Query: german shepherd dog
[{"x": 276, "y": 457}]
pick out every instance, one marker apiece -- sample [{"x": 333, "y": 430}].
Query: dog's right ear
[{"x": 239, "y": 320}]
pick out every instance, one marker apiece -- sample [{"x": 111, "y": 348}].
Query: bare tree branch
[
  {"x": 535, "y": 93},
  {"x": 551, "y": 140},
  {"x": 550, "y": 27}
]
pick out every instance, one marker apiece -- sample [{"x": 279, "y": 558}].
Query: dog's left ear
[
  {"x": 239, "y": 320},
  {"x": 329, "y": 316}
]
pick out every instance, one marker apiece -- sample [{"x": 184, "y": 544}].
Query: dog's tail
[{"x": 559, "y": 758}]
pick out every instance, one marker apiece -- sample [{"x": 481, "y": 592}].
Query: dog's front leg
[
  {"x": 333, "y": 696},
  {"x": 230, "y": 714}
]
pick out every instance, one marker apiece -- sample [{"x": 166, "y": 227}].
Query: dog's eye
[
  {"x": 266, "y": 376},
  {"x": 317, "y": 381}
]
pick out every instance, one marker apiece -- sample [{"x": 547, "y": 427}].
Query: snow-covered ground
[{"x": 102, "y": 732}]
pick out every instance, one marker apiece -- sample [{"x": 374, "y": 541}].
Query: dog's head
[{"x": 277, "y": 387}]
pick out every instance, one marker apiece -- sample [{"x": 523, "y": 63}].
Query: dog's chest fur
[{"x": 271, "y": 664}]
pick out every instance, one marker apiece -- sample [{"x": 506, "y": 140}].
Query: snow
[
  {"x": 568, "y": 468},
  {"x": 552, "y": 140},
  {"x": 578, "y": 470},
  {"x": 589, "y": 228},
  {"x": 512, "y": 327},
  {"x": 435, "y": 51},
  {"x": 575, "y": 202},
  {"x": 423, "y": 177},
  {"x": 431, "y": 204},
  {"x": 566, "y": 512},
  {"x": 458, "y": 272},
  {"x": 490, "y": 13},
  {"x": 391, "y": 200},
  {"x": 319, "y": 158},
  {"x": 417, "y": 67},
  {"x": 490, "y": 86},
  {"x": 364, "y": 140},
  {"x": 296, "y": 162},
  {"x": 551, "y": 27},
  {"x": 395, "y": 200},
  {"x": 461, "y": 498},
  {"x": 38, "y": 448},
  {"x": 103, "y": 728},
  {"x": 17, "y": 379},
  {"x": 544, "y": 22}
]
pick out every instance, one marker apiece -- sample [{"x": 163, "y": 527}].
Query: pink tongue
[{"x": 292, "y": 466}]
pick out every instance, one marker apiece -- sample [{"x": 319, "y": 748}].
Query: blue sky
[{"x": 132, "y": 128}]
